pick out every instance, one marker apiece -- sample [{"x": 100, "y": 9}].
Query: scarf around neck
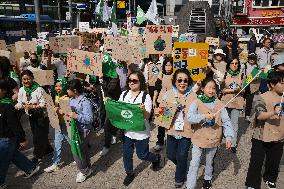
[
  {"x": 31, "y": 89},
  {"x": 233, "y": 73},
  {"x": 206, "y": 99},
  {"x": 6, "y": 100}
]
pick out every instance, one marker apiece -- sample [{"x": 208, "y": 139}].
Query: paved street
[{"x": 230, "y": 170}]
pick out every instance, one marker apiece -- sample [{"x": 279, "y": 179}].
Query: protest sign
[
  {"x": 52, "y": 115},
  {"x": 138, "y": 31},
  {"x": 61, "y": 44},
  {"x": 187, "y": 37},
  {"x": 3, "y": 45},
  {"x": 65, "y": 107},
  {"x": 192, "y": 56},
  {"x": 23, "y": 46},
  {"x": 93, "y": 40},
  {"x": 14, "y": 56},
  {"x": 84, "y": 62},
  {"x": 84, "y": 26},
  {"x": 212, "y": 41},
  {"x": 16, "y": 33},
  {"x": 159, "y": 39},
  {"x": 44, "y": 77},
  {"x": 5, "y": 53},
  {"x": 175, "y": 31}
]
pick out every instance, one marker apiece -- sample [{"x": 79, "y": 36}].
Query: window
[{"x": 268, "y": 3}]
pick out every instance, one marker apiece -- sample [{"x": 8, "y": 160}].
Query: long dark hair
[
  {"x": 170, "y": 60},
  {"x": 141, "y": 79},
  {"x": 184, "y": 71},
  {"x": 229, "y": 62},
  {"x": 4, "y": 67},
  {"x": 76, "y": 84}
]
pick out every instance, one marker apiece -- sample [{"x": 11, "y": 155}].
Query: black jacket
[
  {"x": 10, "y": 125},
  {"x": 234, "y": 53}
]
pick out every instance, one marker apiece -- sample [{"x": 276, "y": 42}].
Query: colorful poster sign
[
  {"x": 192, "y": 56},
  {"x": 212, "y": 41},
  {"x": 187, "y": 37},
  {"x": 159, "y": 39}
]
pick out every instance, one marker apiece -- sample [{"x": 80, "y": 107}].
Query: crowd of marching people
[{"x": 202, "y": 113}]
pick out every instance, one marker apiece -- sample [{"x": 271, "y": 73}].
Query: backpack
[{"x": 143, "y": 97}]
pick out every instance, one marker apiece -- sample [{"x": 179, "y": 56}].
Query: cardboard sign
[
  {"x": 84, "y": 26},
  {"x": 186, "y": 37},
  {"x": 3, "y": 45},
  {"x": 175, "y": 31},
  {"x": 192, "y": 56},
  {"x": 65, "y": 107},
  {"x": 159, "y": 39},
  {"x": 91, "y": 39},
  {"x": 84, "y": 62},
  {"x": 23, "y": 46},
  {"x": 52, "y": 115},
  {"x": 16, "y": 33},
  {"x": 5, "y": 53},
  {"x": 61, "y": 44},
  {"x": 212, "y": 41},
  {"x": 44, "y": 77}
]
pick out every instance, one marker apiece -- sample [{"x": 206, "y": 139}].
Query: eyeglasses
[
  {"x": 182, "y": 80},
  {"x": 134, "y": 81}
]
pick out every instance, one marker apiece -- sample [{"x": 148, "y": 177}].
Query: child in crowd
[
  {"x": 268, "y": 136},
  {"x": 218, "y": 60},
  {"x": 61, "y": 133},
  {"x": 83, "y": 114},
  {"x": 209, "y": 120}
]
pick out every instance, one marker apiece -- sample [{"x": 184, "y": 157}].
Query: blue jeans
[
  {"x": 234, "y": 115},
  {"x": 177, "y": 152},
  {"x": 60, "y": 135},
  {"x": 142, "y": 151},
  {"x": 10, "y": 153}
]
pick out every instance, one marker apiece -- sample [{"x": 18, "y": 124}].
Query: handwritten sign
[
  {"x": 5, "y": 53},
  {"x": 23, "y": 46},
  {"x": 212, "y": 41},
  {"x": 52, "y": 115},
  {"x": 84, "y": 62},
  {"x": 192, "y": 56},
  {"x": 3, "y": 45},
  {"x": 92, "y": 40},
  {"x": 159, "y": 39},
  {"x": 65, "y": 107},
  {"x": 61, "y": 44},
  {"x": 44, "y": 77},
  {"x": 84, "y": 26}
]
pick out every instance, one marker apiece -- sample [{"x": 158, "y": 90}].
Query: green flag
[
  {"x": 99, "y": 10},
  {"x": 123, "y": 32},
  {"x": 109, "y": 67},
  {"x": 75, "y": 140},
  {"x": 6, "y": 101},
  {"x": 113, "y": 19},
  {"x": 125, "y": 116},
  {"x": 262, "y": 74},
  {"x": 140, "y": 18}
]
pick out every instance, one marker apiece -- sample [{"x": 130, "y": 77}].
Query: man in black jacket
[{"x": 12, "y": 136}]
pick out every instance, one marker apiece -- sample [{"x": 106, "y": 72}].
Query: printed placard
[
  {"x": 23, "y": 46},
  {"x": 84, "y": 26},
  {"x": 159, "y": 39},
  {"x": 52, "y": 115},
  {"x": 3, "y": 45},
  {"x": 192, "y": 56},
  {"x": 187, "y": 37},
  {"x": 61, "y": 44},
  {"x": 84, "y": 62},
  {"x": 175, "y": 31},
  {"x": 18, "y": 33},
  {"x": 65, "y": 107},
  {"x": 44, "y": 77},
  {"x": 212, "y": 41}
]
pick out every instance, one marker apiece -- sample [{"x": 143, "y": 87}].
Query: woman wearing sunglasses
[
  {"x": 233, "y": 81},
  {"x": 174, "y": 104},
  {"x": 136, "y": 94}
]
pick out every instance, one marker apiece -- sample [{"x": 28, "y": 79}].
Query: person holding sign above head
[
  {"x": 233, "y": 81},
  {"x": 136, "y": 94},
  {"x": 81, "y": 125},
  {"x": 61, "y": 133},
  {"x": 268, "y": 136},
  {"x": 31, "y": 99},
  {"x": 209, "y": 120},
  {"x": 172, "y": 111},
  {"x": 163, "y": 84}
]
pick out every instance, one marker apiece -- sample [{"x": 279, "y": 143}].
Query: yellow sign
[
  {"x": 192, "y": 56},
  {"x": 121, "y": 4}
]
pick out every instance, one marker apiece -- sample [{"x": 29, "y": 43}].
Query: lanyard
[{"x": 136, "y": 97}]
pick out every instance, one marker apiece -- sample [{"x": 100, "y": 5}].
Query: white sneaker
[
  {"x": 104, "y": 151},
  {"x": 82, "y": 177},
  {"x": 51, "y": 168},
  {"x": 158, "y": 147},
  {"x": 34, "y": 171},
  {"x": 113, "y": 140}
]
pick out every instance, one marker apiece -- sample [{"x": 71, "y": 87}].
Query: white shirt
[
  {"x": 60, "y": 67},
  {"x": 138, "y": 135},
  {"x": 24, "y": 63},
  {"x": 37, "y": 97}
]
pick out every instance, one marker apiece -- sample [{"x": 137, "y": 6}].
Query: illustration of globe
[{"x": 159, "y": 44}]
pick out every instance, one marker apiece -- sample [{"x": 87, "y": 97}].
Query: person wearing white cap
[
  {"x": 219, "y": 62},
  {"x": 278, "y": 64}
]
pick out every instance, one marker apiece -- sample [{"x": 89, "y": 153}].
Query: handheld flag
[
  {"x": 99, "y": 10},
  {"x": 75, "y": 140},
  {"x": 113, "y": 20},
  {"x": 125, "y": 116},
  {"x": 140, "y": 18},
  {"x": 109, "y": 67},
  {"x": 124, "y": 32},
  {"x": 152, "y": 13},
  {"x": 106, "y": 12}
]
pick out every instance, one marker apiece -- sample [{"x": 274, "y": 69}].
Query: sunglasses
[
  {"x": 182, "y": 80},
  {"x": 134, "y": 81}
]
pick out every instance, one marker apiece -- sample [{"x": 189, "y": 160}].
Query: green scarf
[
  {"x": 206, "y": 99},
  {"x": 75, "y": 140},
  {"x": 30, "y": 90},
  {"x": 234, "y": 73},
  {"x": 6, "y": 100},
  {"x": 13, "y": 75},
  {"x": 64, "y": 85}
]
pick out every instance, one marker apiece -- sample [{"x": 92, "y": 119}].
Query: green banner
[{"x": 125, "y": 116}]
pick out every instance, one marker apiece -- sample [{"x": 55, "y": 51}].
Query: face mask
[{"x": 34, "y": 62}]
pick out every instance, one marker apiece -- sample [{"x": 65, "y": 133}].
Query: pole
[
  {"x": 71, "y": 14},
  {"x": 37, "y": 14},
  {"x": 59, "y": 16}
]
